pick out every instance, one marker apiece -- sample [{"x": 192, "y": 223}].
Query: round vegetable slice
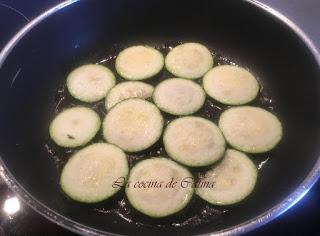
[
  {"x": 233, "y": 179},
  {"x": 194, "y": 141},
  {"x": 90, "y": 83},
  {"x": 189, "y": 60},
  {"x": 74, "y": 127},
  {"x": 133, "y": 125},
  {"x": 250, "y": 129},
  {"x": 230, "y": 85},
  {"x": 179, "y": 96},
  {"x": 125, "y": 90},
  {"x": 150, "y": 191},
  {"x": 90, "y": 173},
  {"x": 139, "y": 62}
]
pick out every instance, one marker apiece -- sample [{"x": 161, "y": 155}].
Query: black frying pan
[{"x": 34, "y": 65}]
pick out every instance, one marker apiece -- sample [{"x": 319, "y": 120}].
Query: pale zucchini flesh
[
  {"x": 179, "y": 96},
  {"x": 74, "y": 127},
  {"x": 90, "y": 83},
  {"x": 233, "y": 179},
  {"x": 250, "y": 129},
  {"x": 157, "y": 200},
  {"x": 125, "y": 90},
  {"x": 133, "y": 125},
  {"x": 230, "y": 85},
  {"x": 194, "y": 141},
  {"x": 189, "y": 60},
  {"x": 139, "y": 62},
  {"x": 90, "y": 173}
]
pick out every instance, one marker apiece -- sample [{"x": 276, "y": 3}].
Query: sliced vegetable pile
[{"x": 159, "y": 186}]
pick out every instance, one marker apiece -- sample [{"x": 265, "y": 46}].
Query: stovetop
[{"x": 17, "y": 218}]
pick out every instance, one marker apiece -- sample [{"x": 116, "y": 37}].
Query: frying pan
[{"x": 35, "y": 62}]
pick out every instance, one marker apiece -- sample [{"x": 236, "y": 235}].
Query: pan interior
[{"x": 32, "y": 76}]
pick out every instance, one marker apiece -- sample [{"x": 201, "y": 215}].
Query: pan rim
[{"x": 242, "y": 228}]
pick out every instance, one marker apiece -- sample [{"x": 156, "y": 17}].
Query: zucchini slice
[
  {"x": 133, "y": 125},
  {"x": 179, "y": 96},
  {"x": 189, "y": 60},
  {"x": 233, "y": 179},
  {"x": 230, "y": 85},
  {"x": 90, "y": 83},
  {"x": 139, "y": 62},
  {"x": 90, "y": 173},
  {"x": 130, "y": 89},
  {"x": 250, "y": 129},
  {"x": 150, "y": 191},
  {"x": 194, "y": 141},
  {"x": 74, "y": 126}
]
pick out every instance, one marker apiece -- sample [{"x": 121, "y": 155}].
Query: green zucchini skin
[
  {"x": 194, "y": 141},
  {"x": 234, "y": 178},
  {"x": 89, "y": 174},
  {"x": 90, "y": 83},
  {"x": 189, "y": 60},
  {"x": 158, "y": 202},
  {"x": 139, "y": 62},
  {"x": 231, "y": 85},
  {"x": 133, "y": 124},
  {"x": 126, "y": 90},
  {"x": 173, "y": 96},
  {"x": 74, "y": 127},
  {"x": 260, "y": 132}
]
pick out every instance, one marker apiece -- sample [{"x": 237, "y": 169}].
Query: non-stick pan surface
[{"x": 35, "y": 64}]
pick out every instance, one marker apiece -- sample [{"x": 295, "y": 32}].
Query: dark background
[{"x": 301, "y": 219}]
